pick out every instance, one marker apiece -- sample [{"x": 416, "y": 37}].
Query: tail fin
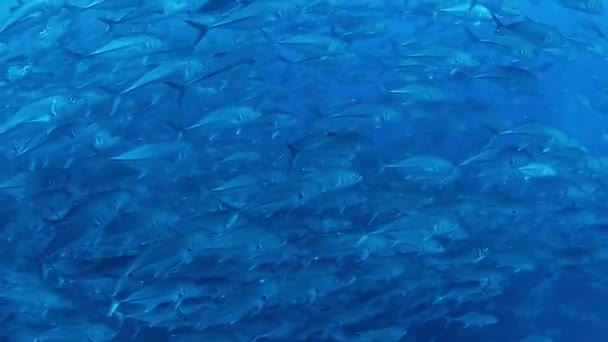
[
  {"x": 72, "y": 53},
  {"x": 109, "y": 23},
  {"x": 293, "y": 154},
  {"x": 236, "y": 212},
  {"x": 598, "y": 30},
  {"x": 471, "y": 34},
  {"x": 129, "y": 16},
  {"x": 113, "y": 307},
  {"x": 267, "y": 36},
  {"x": 76, "y": 9},
  {"x": 499, "y": 24},
  {"x": 180, "y": 130},
  {"x": 382, "y": 166},
  {"x": 473, "y": 4},
  {"x": 181, "y": 91},
  {"x": 201, "y": 28}
]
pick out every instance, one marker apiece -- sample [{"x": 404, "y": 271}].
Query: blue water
[{"x": 325, "y": 170}]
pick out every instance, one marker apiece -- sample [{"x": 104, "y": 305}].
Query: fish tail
[
  {"x": 382, "y": 88},
  {"x": 364, "y": 237},
  {"x": 72, "y": 53},
  {"x": 382, "y": 166},
  {"x": 113, "y": 307},
  {"x": 201, "y": 28},
  {"x": 181, "y": 91},
  {"x": 597, "y": 30},
  {"x": 179, "y": 129},
  {"x": 319, "y": 114},
  {"x": 293, "y": 153},
  {"x": 471, "y": 34},
  {"x": 115, "y": 104},
  {"x": 492, "y": 141},
  {"x": 452, "y": 177},
  {"x": 499, "y": 24},
  {"x": 473, "y": 4},
  {"x": 490, "y": 128},
  {"x": 267, "y": 36},
  {"x": 236, "y": 213},
  {"x": 40, "y": 265},
  {"x": 282, "y": 58},
  {"x": 109, "y": 23},
  {"x": 74, "y": 9}
]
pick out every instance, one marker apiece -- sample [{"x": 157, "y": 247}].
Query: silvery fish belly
[{"x": 303, "y": 170}]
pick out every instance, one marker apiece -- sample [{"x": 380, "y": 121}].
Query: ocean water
[{"x": 291, "y": 170}]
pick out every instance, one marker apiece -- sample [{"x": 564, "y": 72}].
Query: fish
[
  {"x": 532, "y": 31},
  {"x": 320, "y": 170},
  {"x": 586, "y": 6},
  {"x": 476, "y": 319},
  {"x": 30, "y": 9}
]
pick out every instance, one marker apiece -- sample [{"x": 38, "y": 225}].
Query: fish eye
[
  {"x": 189, "y": 249},
  {"x": 301, "y": 195},
  {"x": 259, "y": 246},
  {"x": 264, "y": 297}
]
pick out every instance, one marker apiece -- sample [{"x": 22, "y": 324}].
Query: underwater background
[{"x": 291, "y": 170}]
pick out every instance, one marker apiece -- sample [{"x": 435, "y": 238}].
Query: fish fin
[
  {"x": 109, "y": 23},
  {"x": 473, "y": 4},
  {"x": 39, "y": 265},
  {"x": 471, "y": 34},
  {"x": 267, "y": 37},
  {"x": 181, "y": 91},
  {"x": 497, "y": 21},
  {"x": 382, "y": 166},
  {"x": 544, "y": 67},
  {"x": 72, "y": 53},
  {"x": 286, "y": 60},
  {"x": 179, "y": 129},
  {"x": 143, "y": 172},
  {"x": 16, "y": 59},
  {"x": 74, "y": 9},
  {"x": 319, "y": 114},
  {"x": 383, "y": 89},
  {"x": 113, "y": 307},
  {"x": 448, "y": 321},
  {"x": 282, "y": 58},
  {"x": 235, "y": 215},
  {"x": 293, "y": 153},
  {"x": 595, "y": 28},
  {"x": 201, "y": 28},
  {"x": 137, "y": 327},
  {"x": 490, "y": 128}
]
